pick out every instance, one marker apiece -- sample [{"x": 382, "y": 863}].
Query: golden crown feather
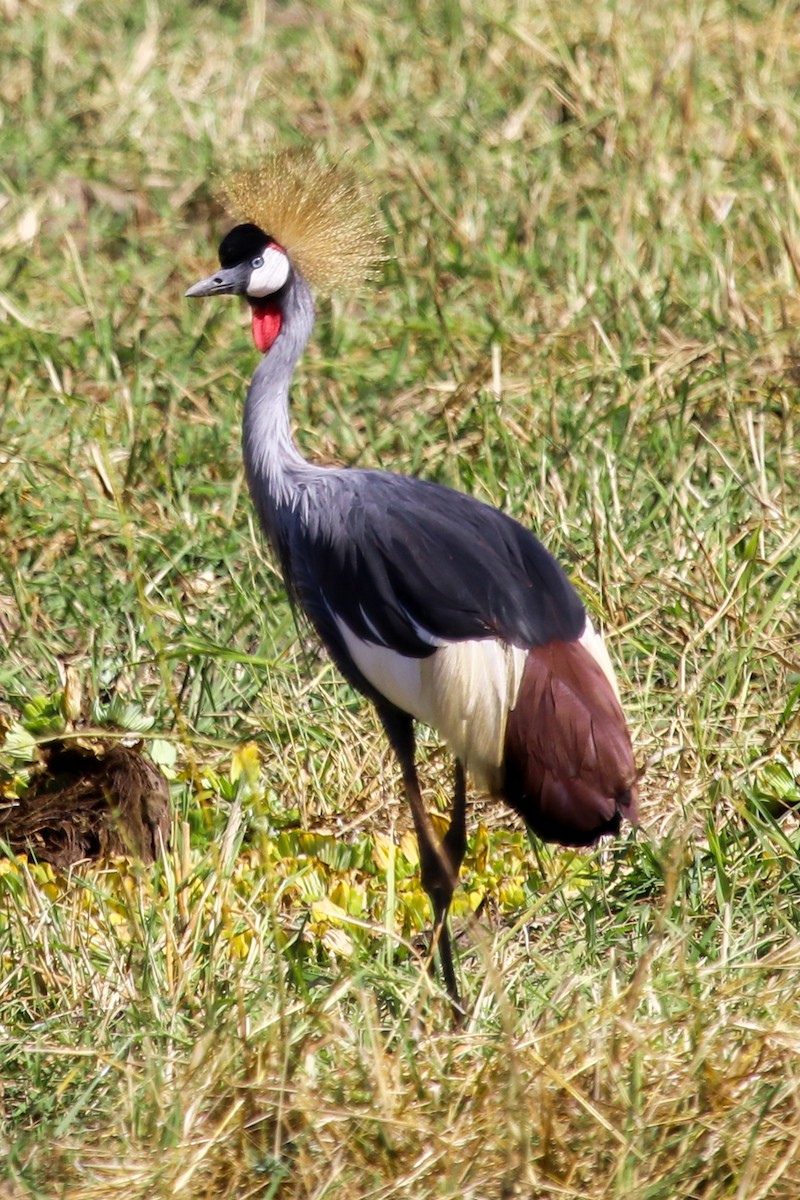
[{"x": 321, "y": 214}]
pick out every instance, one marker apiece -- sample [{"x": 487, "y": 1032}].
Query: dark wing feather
[
  {"x": 569, "y": 767},
  {"x": 403, "y": 561}
]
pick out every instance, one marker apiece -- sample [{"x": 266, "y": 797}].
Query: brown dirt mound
[{"x": 89, "y": 800}]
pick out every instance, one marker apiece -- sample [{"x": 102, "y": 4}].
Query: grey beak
[
  {"x": 224, "y": 282},
  {"x": 207, "y": 287}
]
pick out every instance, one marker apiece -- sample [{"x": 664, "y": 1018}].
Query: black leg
[
  {"x": 455, "y": 845},
  {"x": 455, "y": 840},
  {"x": 439, "y": 860}
]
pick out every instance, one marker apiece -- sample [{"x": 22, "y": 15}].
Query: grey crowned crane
[{"x": 435, "y": 606}]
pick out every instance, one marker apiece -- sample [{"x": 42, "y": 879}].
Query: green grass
[{"x": 588, "y": 316}]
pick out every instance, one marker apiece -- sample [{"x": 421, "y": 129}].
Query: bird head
[
  {"x": 254, "y": 265},
  {"x": 320, "y": 224}
]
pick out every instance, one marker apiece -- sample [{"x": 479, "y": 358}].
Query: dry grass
[{"x": 668, "y": 1072}]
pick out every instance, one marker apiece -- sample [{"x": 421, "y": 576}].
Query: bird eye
[{"x": 257, "y": 262}]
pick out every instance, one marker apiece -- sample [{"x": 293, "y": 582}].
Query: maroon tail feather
[{"x": 569, "y": 769}]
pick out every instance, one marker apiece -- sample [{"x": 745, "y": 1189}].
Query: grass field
[{"x": 588, "y": 316}]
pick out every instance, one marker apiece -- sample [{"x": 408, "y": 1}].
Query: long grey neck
[{"x": 273, "y": 463}]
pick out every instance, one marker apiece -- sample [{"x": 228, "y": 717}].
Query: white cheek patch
[{"x": 271, "y": 276}]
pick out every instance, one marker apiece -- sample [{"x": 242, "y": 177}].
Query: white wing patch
[
  {"x": 474, "y": 686},
  {"x": 591, "y": 640},
  {"x": 464, "y": 690},
  {"x": 395, "y": 676}
]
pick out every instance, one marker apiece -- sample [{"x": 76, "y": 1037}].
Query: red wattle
[{"x": 267, "y": 321}]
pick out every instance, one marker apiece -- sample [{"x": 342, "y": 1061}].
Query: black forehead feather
[{"x": 243, "y": 242}]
